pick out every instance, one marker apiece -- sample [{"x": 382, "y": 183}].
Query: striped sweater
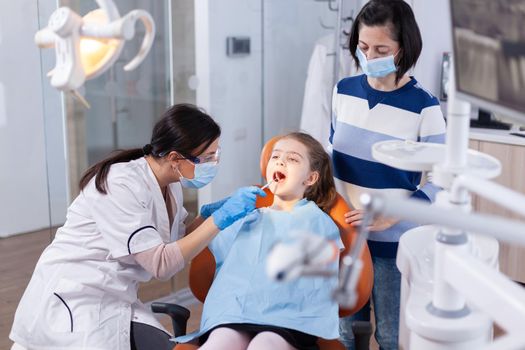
[{"x": 363, "y": 116}]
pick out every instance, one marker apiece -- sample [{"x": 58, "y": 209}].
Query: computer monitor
[{"x": 489, "y": 54}]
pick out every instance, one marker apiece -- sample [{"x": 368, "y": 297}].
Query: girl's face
[
  {"x": 289, "y": 168},
  {"x": 376, "y": 42}
]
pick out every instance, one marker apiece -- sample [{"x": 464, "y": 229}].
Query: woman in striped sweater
[{"x": 384, "y": 103}]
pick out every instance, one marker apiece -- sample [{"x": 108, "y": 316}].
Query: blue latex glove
[
  {"x": 208, "y": 209},
  {"x": 237, "y": 206}
]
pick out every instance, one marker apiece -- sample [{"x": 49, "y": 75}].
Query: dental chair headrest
[{"x": 266, "y": 153}]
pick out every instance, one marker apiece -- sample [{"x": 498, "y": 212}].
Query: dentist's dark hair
[
  {"x": 399, "y": 18},
  {"x": 322, "y": 192},
  {"x": 183, "y": 128}
]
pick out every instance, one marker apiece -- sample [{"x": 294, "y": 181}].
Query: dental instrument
[
  {"x": 87, "y": 46},
  {"x": 267, "y": 185}
]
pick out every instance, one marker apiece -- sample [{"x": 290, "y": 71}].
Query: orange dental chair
[{"x": 202, "y": 270}]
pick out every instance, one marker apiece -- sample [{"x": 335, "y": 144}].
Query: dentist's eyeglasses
[
  {"x": 203, "y": 158},
  {"x": 206, "y": 158}
]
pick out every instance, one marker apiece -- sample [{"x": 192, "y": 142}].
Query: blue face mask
[
  {"x": 377, "y": 67},
  {"x": 204, "y": 174}
]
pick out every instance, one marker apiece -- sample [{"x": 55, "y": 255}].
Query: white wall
[
  {"x": 291, "y": 29},
  {"x": 230, "y": 89},
  {"x": 433, "y": 18},
  {"x": 23, "y": 177}
]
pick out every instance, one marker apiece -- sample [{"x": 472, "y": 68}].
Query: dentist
[{"x": 126, "y": 226}]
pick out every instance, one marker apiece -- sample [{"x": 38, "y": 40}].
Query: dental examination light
[{"x": 87, "y": 46}]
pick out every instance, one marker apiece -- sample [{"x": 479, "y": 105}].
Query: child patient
[{"x": 244, "y": 309}]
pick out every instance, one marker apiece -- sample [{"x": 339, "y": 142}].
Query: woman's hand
[
  {"x": 208, "y": 209},
  {"x": 355, "y": 218},
  {"x": 237, "y": 206}
]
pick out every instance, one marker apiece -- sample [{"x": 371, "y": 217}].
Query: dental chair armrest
[{"x": 179, "y": 315}]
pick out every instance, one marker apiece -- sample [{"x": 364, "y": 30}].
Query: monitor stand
[{"x": 485, "y": 121}]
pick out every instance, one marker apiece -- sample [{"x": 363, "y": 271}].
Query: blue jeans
[{"x": 385, "y": 299}]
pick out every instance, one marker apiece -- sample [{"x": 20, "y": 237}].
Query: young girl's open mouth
[{"x": 278, "y": 176}]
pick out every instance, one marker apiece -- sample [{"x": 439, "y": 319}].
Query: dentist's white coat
[{"x": 83, "y": 292}]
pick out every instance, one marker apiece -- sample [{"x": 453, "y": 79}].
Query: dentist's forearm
[
  {"x": 165, "y": 260},
  {"x": 162, "y": 261},
  {"x": 198, "y": 239},
  {"x": 194, "y": 224}
]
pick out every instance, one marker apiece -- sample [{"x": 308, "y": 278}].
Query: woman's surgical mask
[
  {"x": 377, "y": 67},
  {"x": 206, "y": 167},
  {"x": 204, "y": 174}
]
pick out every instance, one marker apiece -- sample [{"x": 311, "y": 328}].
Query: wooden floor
[{"x": 18, "y": 257}]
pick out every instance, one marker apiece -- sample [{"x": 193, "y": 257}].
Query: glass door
[{"x": 126, "y": 105}]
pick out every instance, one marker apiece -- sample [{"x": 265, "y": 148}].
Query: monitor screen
[{"x": 489, "y": 54}]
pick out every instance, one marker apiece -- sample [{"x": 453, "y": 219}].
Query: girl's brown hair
[{"x": 323, "y": 192}]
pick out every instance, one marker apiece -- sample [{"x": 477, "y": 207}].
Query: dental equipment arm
[
  {"x": 494, "y": 293},
  {"x": 288, "y": 261},
  {"x": 479, "y": 284},
  {"x": 492, "y": 191},
  {"x": 508, "y": 230},
  {"x": 351, "y": 266}
]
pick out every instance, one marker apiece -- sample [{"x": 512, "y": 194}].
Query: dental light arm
[
  {"x": 75, "y": 38},
  {"x": 147, "y": 20},
  {"x": 508, "y": 230}
]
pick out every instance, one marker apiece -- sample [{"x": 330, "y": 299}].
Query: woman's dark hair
[
  {"x": 183, "y": 128},
  {"x": 323, "y": 192},
  {"x": 399, "y": 18}
]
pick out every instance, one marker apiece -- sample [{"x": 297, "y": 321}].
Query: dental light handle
[
  {"x": 45, "y": 38},
  {"x": 68, "y": 73}
]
